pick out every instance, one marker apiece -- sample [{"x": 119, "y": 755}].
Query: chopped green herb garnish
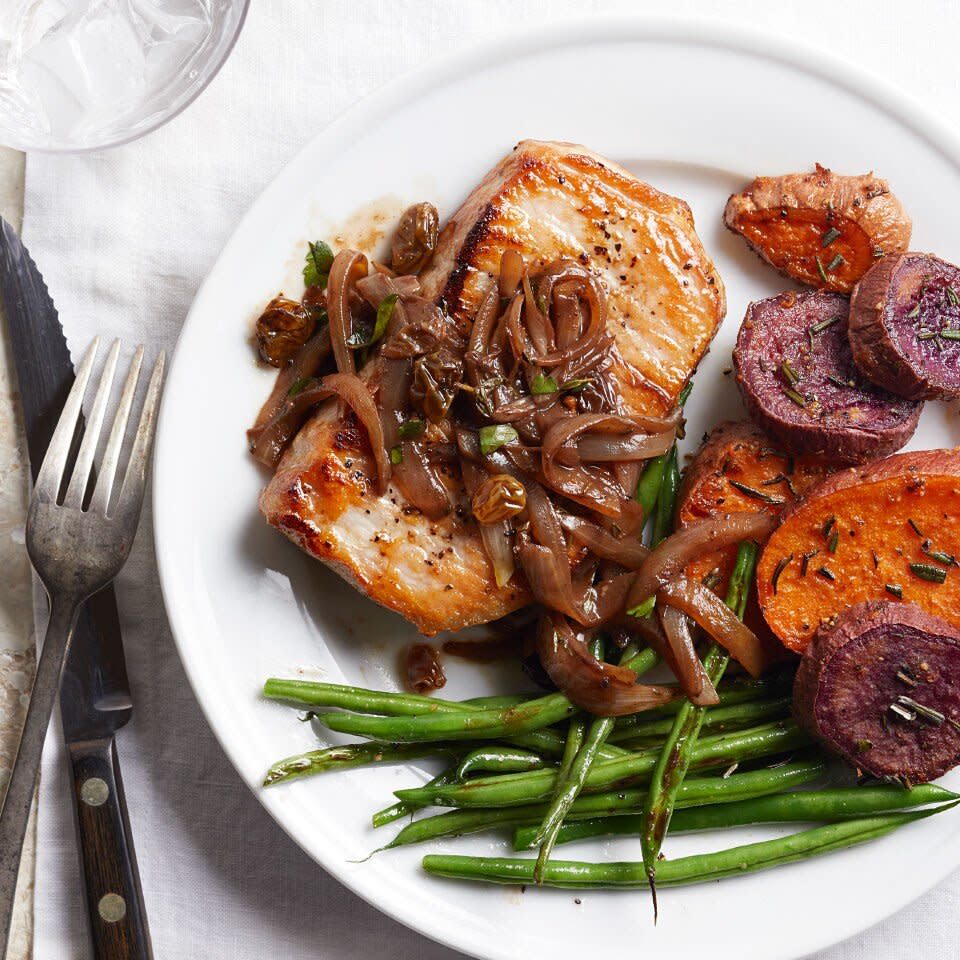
[
  {"x": 837, "y": 382},
  {"x": 947, "y": 559},
  {"x": 358, "y": 341},
  {"x": 828, "y": 525},
  {"x": 493, "y": 438},
  {"x": 798, "y": 398},
  {"x": 411, "y": 429},
  {"x": 823, "y": 324},
  {"x": 950, "y": 334},
  {"x": 827, "y": 573},
  {"x": 643, "y": 609},
  {"x": 864, "y": 746},
  {"x": 575, "y": 385},
  {"x": 926, "y": 334},
  {"x": 789, "y": 373},
  {"x": 805, "y": 562},
  {"x": 755, "y": 494},
  {"x": 820, "y": 270},
  {"x": 832, "y": 234},
  {"x": 927, "y": 571},
  {"x": 952, "y": 297},
  {"x": 914, "y": 527},
  {"x": 915, "y": 312},
  {"x": 543, "y": 384},
  {"x": 780, "y": 567},
  {"x": 298, "y": 386},
  {"x": 837, "y": 261},
  {"x": 317, "y": 266},
  {"x": 396, "y": 454},
  {"x": 895, "y": 590},
  {"x": 834, "y": 540},
  {"x": 384, "y": 313}
]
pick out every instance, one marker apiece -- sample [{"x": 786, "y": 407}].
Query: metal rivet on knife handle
[
  {"x": 94, "y": 792},
  {"x": 112, "y": 907}
]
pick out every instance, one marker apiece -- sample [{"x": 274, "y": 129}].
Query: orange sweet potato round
[
  {"x": 820, "y": 228},
  {"x": 885, "y": 530},
  {"x": 740, "y": 468}
]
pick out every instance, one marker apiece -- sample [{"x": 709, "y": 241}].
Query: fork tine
[
  {"x": 111, "y": 455},
  {"x": 131, "y": 493},
  {"x": 91, "y": 435},
  {"x": 55, "y": 460}
]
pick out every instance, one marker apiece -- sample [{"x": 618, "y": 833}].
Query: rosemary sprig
[
  {"x": 821, "y": 271},
  {"x": 832, "y": 234},
  {"x": 782, "y": 565},
  {"x": 755, "y": 494},
  {"x": 927, "y": 571},
  {"x": 823, "y": 324}
]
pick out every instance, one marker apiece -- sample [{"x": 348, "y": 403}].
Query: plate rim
[{"x": 711, "y": 32}]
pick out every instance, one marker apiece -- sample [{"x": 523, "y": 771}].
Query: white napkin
[{"x": 124, "y": 239}]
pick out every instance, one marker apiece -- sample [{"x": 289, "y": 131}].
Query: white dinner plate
[{"x": 697, "y": 110}]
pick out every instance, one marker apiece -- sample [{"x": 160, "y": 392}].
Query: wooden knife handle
[{"x": 118, "y": 920}]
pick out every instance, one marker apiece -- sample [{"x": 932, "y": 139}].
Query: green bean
[
  {"x": 479, "y": 725},
  {"x": 498, "y": 759},
  {"x": 648, "y": 487},
  {"x": 351, "y": 755},
  {"x": 739, "y": 689},
  {"x": 307, "y": 693},
  {"x": 828, "y": 805},
  {"x": 519, "y": 788},
  {"x": 551, "y": 743},
  {"x": 492, "y": 703},
  {"x": 716, "y": 718},
  {"x": 694, "y": 869},
  {"x": 400, "y": 809},
  {"x": 569, "y": 786},
  {"x": 667, "y": 500},
  {"x": 693, "y": 792},
  {"x": 677, "y": 753}
]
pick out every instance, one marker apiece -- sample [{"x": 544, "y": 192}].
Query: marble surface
[{"x": 16, "y": 595}]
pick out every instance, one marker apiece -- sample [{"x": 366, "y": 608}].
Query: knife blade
[{"x": 95, "y": 694}]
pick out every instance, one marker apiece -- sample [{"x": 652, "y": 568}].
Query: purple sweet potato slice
[
  {"x": 880, "y": 686},
  {"x": 905, "y": 326},
  {"x": 796, "y": 373}
]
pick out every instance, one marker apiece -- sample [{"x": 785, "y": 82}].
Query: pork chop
[{"x": 665, "y": 302}]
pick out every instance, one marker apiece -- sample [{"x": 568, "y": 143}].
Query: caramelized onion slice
[
  {"x": 629, "y": 552},
  {"x": 549, "y": 579},
  {"x": 280, "y": 418},
  {"x": 684, "y": 660},
  {"x": 353, "y": 391},
  {"x": 420, "y": 483},
  {"x": 602, "y": 689},
  {"x": 347, "y": 268},
  {"x": 671, "y": 556},
  {"x": 717, "y": 619}
]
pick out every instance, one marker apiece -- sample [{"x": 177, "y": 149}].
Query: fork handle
[
  {"x": 23, "y": 777},
  {"x": 118, "y": 919}
]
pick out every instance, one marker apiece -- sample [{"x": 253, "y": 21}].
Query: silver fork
[{"x": 76, "y": 549}]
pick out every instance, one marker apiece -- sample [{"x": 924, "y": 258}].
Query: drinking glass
[{"x": 87, "y": 74}]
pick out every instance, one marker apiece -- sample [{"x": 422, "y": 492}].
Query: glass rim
[{"x": 161, "y": 119}]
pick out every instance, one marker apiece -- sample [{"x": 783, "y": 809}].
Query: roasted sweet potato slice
[
  {"x": 886, "y": 530},
  {"x": 820, "y": 228},
  {"x": 797, "y": 377},
  {"x": 905, "y": 326},
  {"x": 739, "y": 468},
  {"x": 876, "y": 687}
]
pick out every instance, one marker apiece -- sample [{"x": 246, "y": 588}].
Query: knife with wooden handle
[{"x": 94, "y": 694}]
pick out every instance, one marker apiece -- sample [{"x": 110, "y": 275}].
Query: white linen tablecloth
[{"x": 124, "y": 238}]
